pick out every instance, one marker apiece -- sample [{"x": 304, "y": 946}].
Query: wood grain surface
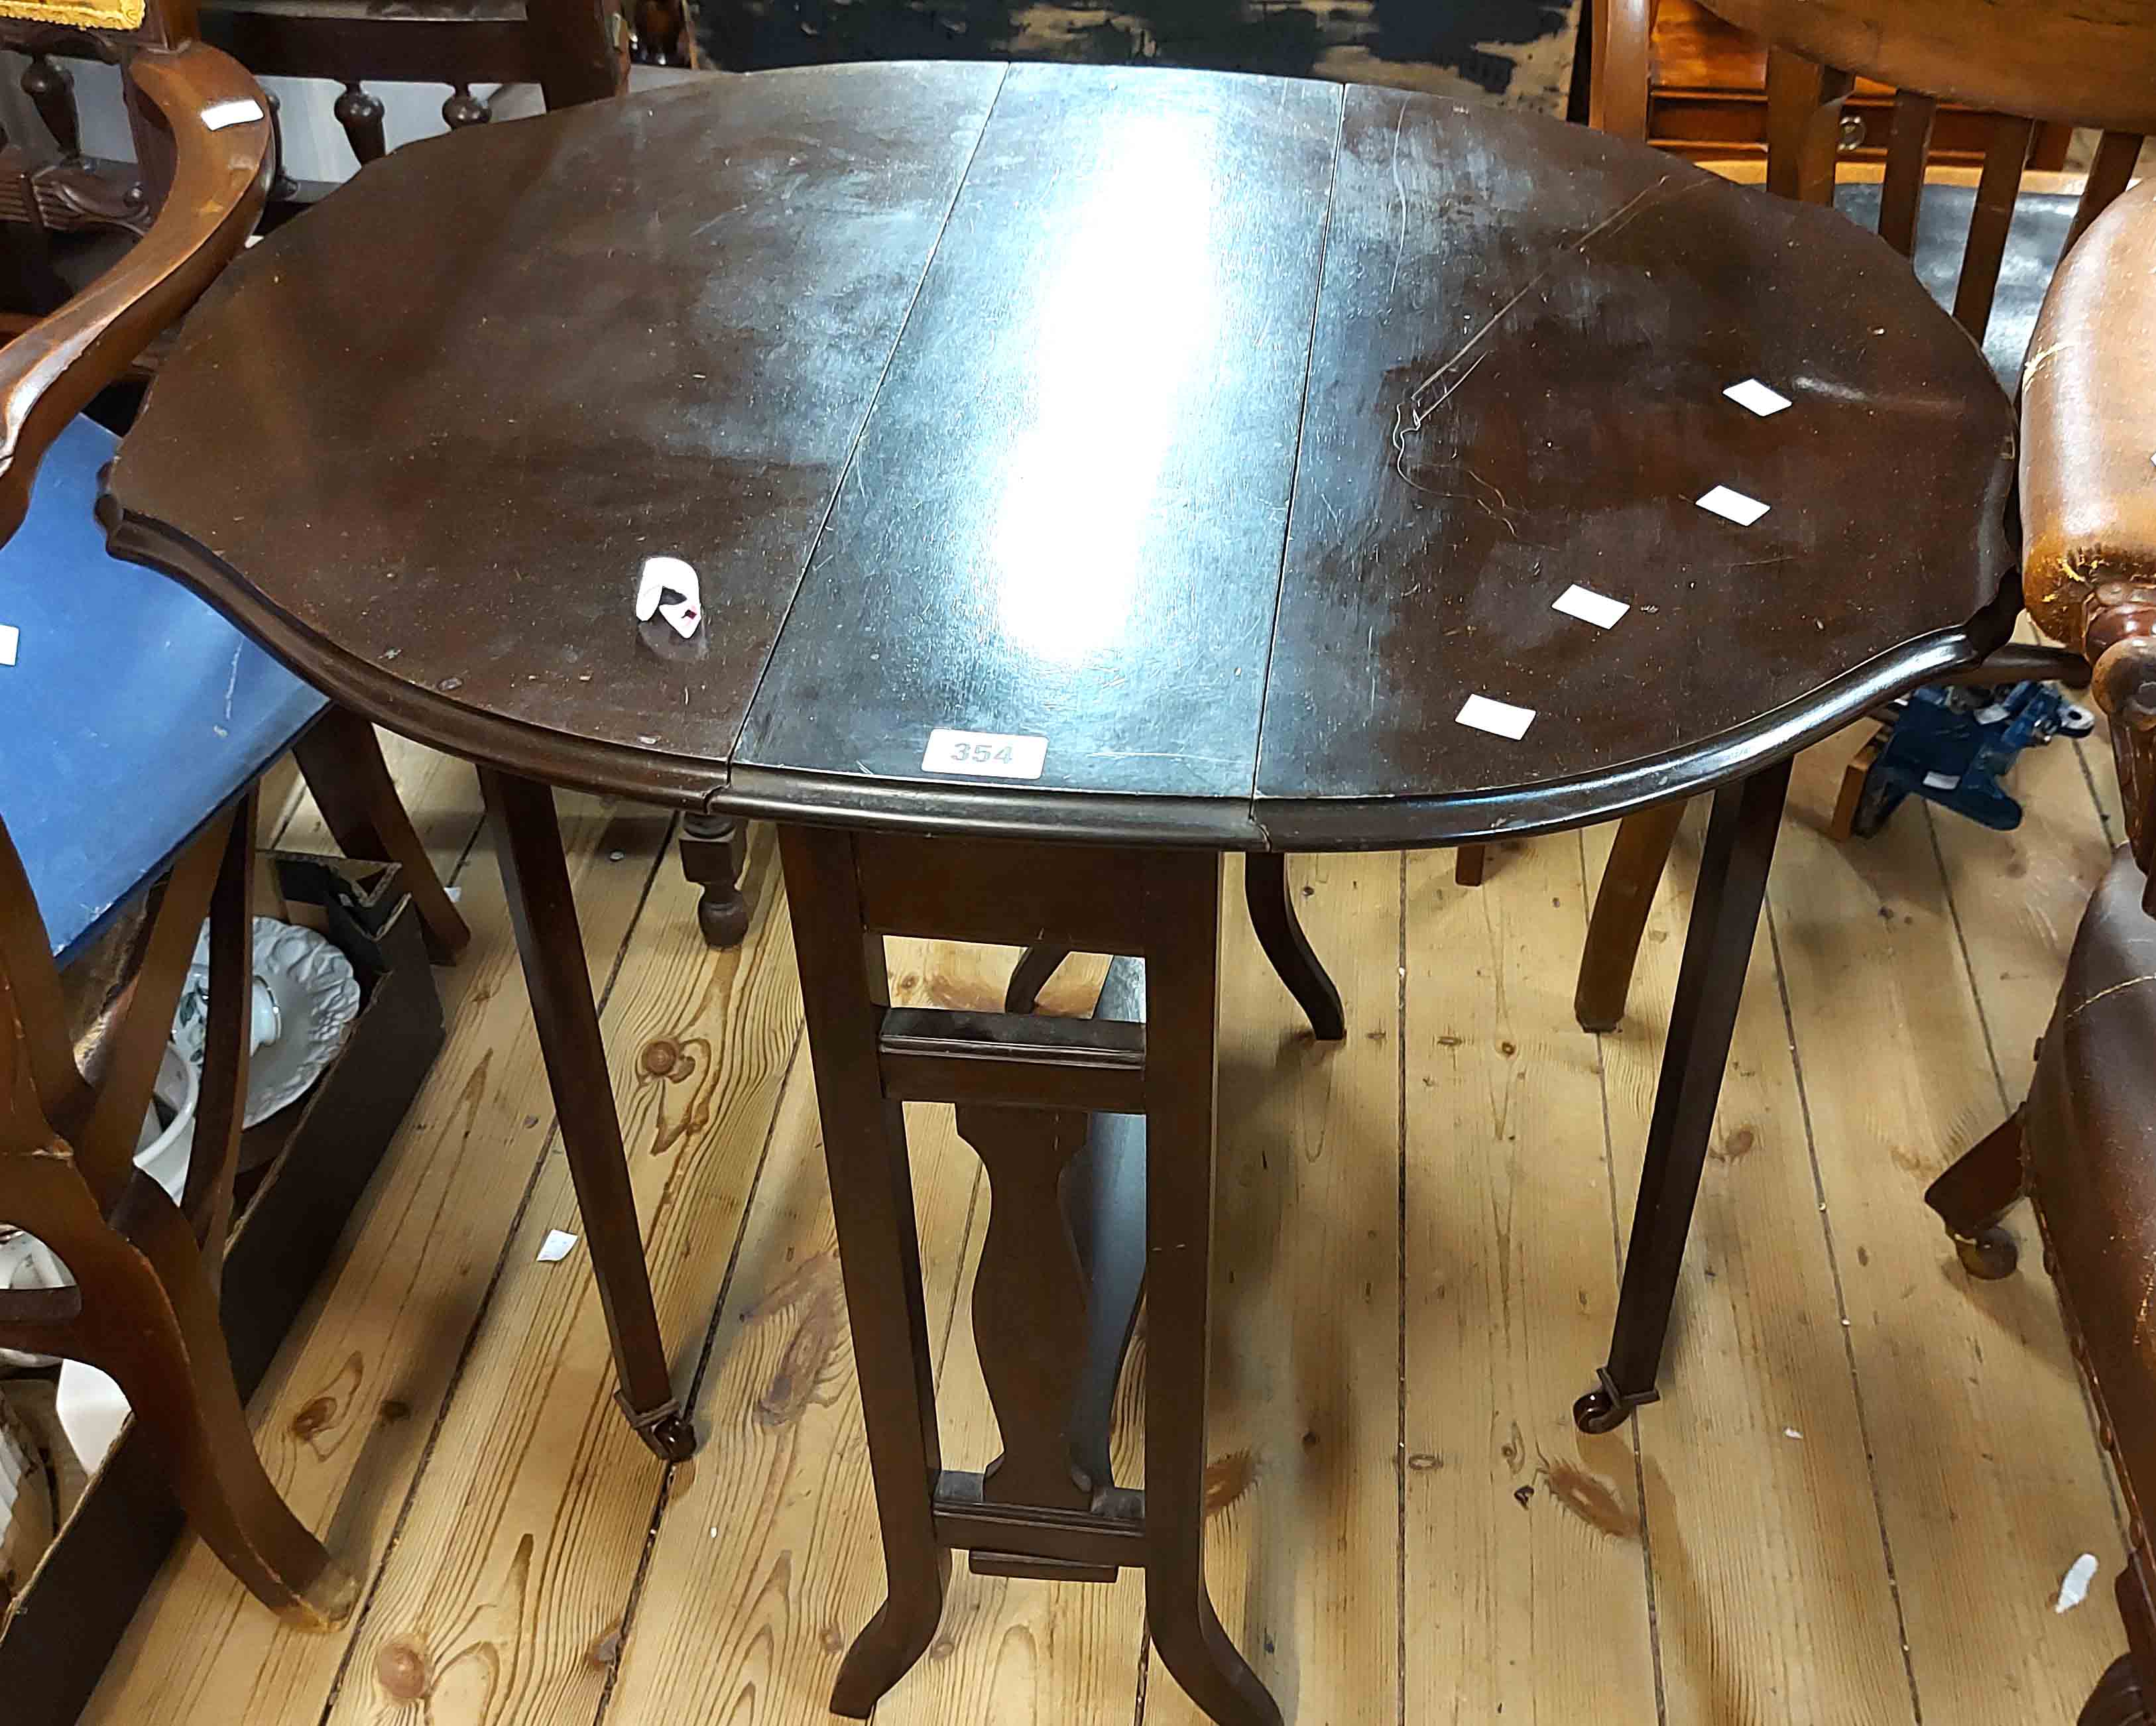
[{"x": 1417, "y": 1257}]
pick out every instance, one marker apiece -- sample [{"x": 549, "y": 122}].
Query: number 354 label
[{"x": 993, "y": 754}]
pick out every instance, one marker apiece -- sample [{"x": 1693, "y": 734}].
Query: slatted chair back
[
  {"x": 574, "y": 50},
  {"x": 2082, "y": 63}
]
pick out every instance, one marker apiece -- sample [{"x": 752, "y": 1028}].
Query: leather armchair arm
[
  {"x": 2088, "y": 481},
  {"x": 221, "y": 155}
]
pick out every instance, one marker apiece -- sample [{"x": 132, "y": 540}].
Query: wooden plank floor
[{"x": 1854, "y": 1505}]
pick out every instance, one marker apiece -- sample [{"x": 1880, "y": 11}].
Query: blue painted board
[{"x": 133, "y": 712}]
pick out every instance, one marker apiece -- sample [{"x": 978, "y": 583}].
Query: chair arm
[
  {"x": 2088, "y": 482},
  {"x": 1617, "y": 93},
  {"x": 221, "y": 174},
  {"x": 2088, "y": 425}
]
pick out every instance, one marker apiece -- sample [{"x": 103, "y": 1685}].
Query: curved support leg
[
  {"x": 1976, "y": 1191},
  {"x": 714, "y": 849},
  {"x": 1182, "y": 1016},
  {"x": 143, "y": 1310},
  {"x": 527, "y": 839},
  {"x": 1725, "y": 913},
  {"x": 341, "y": 758},
  {"x": 1621, "y": 904},
  {"x": 1031, "y": 975},
  {"x": 845, "y": 989},
  {"x": 1271, "y": 901}
]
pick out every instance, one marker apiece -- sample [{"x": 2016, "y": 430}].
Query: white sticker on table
[
  {"x": 1942, "y": 781},
  {"x": 989, "y": 754},
  {"x": 216, "y": 117},
  {"x": 1589, "y": 606},
  {"x": 1733, "y": 505},
  {"x": 1500, "y": 718},
  {"x": 556, "y": 1247},
  {"x": 11, "y": 638},
  {"x": 1756, "y": 397}
]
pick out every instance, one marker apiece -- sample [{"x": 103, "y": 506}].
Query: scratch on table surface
[
  {"x": 1412, "y": 414},
  {"x": 1400, "y": 185},
  {"x": 231, "y": 683},
  {"x": 2148, "y": 1295},
  {"x": 1164, "y": 754}
]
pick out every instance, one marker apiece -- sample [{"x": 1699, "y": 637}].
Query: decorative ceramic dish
[{"x": 305, "y": 998}]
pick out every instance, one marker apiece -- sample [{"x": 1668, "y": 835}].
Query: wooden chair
[
  {"x": 2083, "y": 1145},
  {"x": 67, "y": 219},
  {"x": 2028, "y": 61},
  {"x": 143, "y": 1304}
]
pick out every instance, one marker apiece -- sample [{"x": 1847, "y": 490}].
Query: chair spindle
[
  {"x": 464, "y": 109},
  {"x": 51, "y": 87},
  {"x": 2116, "y": 153},
  {"x": 282, "y": 186},
  {"x": 1803, "y": 125},
  {"x": 2004, "y": 159},
  {"x": 1908, "y": 146},
  {"x": 360, "y": 114}
]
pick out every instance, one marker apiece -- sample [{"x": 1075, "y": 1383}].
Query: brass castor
[
  {"x": 672, "y": 1438},
  {"x": 1989, "y": 1254},
  {"x": 1599, "y": 1412}
]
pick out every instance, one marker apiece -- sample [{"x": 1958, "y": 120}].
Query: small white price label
[
  {"x": 220, "y": 115},
  {"x": 991, "y": 755}
]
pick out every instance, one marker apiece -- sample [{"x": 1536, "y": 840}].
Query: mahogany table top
[{"x": 1208, "y": 444}]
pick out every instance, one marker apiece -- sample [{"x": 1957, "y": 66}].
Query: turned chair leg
[
  {"x": 342, "y": 759},
  {"x": 1976, "y": 1191},
  {"x": 1621, "y": 904},
  {"x": 714, "y": 852}
]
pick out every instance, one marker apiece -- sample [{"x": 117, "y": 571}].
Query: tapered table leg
[
  {"x": 1725, "y": 913},
  {"x": 1182, "y": 979},
  {"x": 527, "y": 838},
  {"x": 341, "y": 760},
  {"x": 845, "y": 986}
]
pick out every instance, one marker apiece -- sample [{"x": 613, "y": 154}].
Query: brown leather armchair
[{"x": 2082, "y": 1146}]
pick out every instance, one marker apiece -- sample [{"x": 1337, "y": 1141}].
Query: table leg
[
  {"x": 527, "y": 838},
  {"x": 1083, "y": 1213},
  {"x": 1725, "y": 914},
  {"x": 844, "y": 988},
  {"x": 1183, "y": 988},
  {"x": 341, "y": 758},
  {"x": 714, "y": 851},
  {"x": 1271, "y": 902}
]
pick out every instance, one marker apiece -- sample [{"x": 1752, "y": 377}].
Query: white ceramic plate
[{"x": 312, "y": 999}]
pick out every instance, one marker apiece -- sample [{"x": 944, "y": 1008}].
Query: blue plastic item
[
  {"x": 133, "y": 712},
  {"x": 1954, "y": 746}
]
